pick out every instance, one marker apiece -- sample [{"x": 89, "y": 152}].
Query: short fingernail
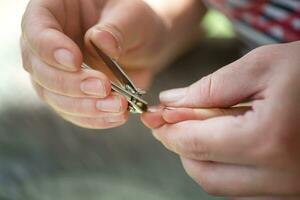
[
  {"x": 154, "y": 109},
  {"x": 65, "y": 58},
  {"x": 115, "y": 119},
  {"x": 112, "y": 104},
  {"x": 93, "y": 86},
  {"x": 171, "y": 96},
  {"x": 107, "y": 42}
]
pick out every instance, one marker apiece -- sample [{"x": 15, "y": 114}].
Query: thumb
[
  {"x": 226, "y": 87},
  {"x": 126, "y": 35}
]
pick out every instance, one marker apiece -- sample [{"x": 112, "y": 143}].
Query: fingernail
[
  {"x": 154, "y": 109},
  {"x": 171, "y": 96},
  {"x": 65, "y": 58},
  {"x": 114, "y": 119},
  {"x": 93, "y": 86},
  {"x": 111, "y": 104},
  {"x": 107, "y": 42}
]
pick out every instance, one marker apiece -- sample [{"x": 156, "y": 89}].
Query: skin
[
  {"x": 245, "y": 151},
  {"x": 56, "y": 39}
]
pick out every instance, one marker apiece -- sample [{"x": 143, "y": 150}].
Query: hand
[
  {"x": 249, "y": 152},
  {"x": 55, "y": 34}
]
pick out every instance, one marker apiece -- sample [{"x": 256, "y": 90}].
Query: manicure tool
[{"x": 125, "y": 85}]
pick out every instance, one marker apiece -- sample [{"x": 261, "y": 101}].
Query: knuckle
[
  {"x": 258, "y": 54},
  {"x": 206, "y": 87},
  {"x": 59, "y": 83},
  {"x": 261, "y": 57},
  {"x": 42, "y": 42},
  {"x": 39, "y": 43},
  {"x": 255, "y": 62}
]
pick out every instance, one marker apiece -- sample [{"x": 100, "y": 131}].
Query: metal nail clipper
[{"x": 125, "y": 85}]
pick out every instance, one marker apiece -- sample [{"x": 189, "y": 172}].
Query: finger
[
  {"x": 85, "y": 107},
  {"x": 175, "y": 115},
  {"x": 104, "y": 122},
  {"x": 26, "y": 56},
  {"x": 239, "y": 180},
  {"x": 224, "y": 88},
  {"x": 222, "y": 179},
  {"x": 83, "y": 83},
  {"x": 153, "y": 118},
  {"x": 43, "y": 32},
  {"x": 117, "y": 32},
  {"x": 222, "y": 139}
]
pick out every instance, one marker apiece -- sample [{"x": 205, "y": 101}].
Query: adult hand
[
  {"x": 251, "y": 152},
  {"x": 55, "y": 34}
]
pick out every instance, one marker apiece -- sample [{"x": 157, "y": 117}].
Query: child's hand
[
  {"x": 247, "y": 152},
  {"x": 53, "y": 41}
]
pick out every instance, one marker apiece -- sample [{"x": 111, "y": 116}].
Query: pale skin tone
[
  {"x": 250, "y": 150},
  {"x": 56, "y": 32},
  {"x": 242, "y": 151}
]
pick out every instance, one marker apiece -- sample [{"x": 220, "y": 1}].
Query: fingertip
[
  {"x": 153, "y": 119},
  {"x": 107, "y": 42},
  {"x": 95, "y": 87},
  {"x": 106, "y": 39},
  {"x": 95, "y": 83},
  {"x": 172, "y": 97},
  {"x": 66, "y": 59}
]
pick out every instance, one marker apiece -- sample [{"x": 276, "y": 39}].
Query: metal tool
[{"x": 125, "y": 86}]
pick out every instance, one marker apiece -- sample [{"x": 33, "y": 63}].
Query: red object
[{"x": 279, "y": 19}]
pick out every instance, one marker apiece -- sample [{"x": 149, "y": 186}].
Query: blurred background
[{"x": 43, "y": 157}]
